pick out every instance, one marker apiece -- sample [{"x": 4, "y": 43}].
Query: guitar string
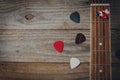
[
  {"x": 94, "y": 55},
  {"x": 95, "y": 52},
  {"x": 96, "y": 40},
  {"x": 102, "y": 25},
  {"x": 109, "y": 43},
  {"x": 95, "y": 62},
  {"x": 104, "y": 44},
  {"x": 101, "y": 47},
  {"x": 100, "y": 54},
  {"x": 106, "y": 24},
  {"x": 107, "y": 27},
  {"x": 104, "y": 56},
  {"x": 103, "y": 40},
  {"x": 96, "y": 44}
]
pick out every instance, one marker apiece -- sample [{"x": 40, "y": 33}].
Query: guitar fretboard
[{"x": 100, "y": 45}]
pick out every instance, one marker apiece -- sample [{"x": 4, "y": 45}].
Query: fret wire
[
  {"x": 101, "y": 36},
  {"x": 104, "y": 38},
  {"x": 97, "y": 77},
  {"x": 101, "y": 50},
  {"x": 97, "y": 39},
  {"x": 101, "y": 64},
  {"x": 98, "y": 21},
  {"x": 107, "y": 57}
]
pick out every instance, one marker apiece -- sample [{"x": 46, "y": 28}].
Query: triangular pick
[
  {"x": 59, "y": 45},
  {"x": 80, "y": 38},
  {"x": 75, "y": 17},
  {"x": 74, "y": 62}
]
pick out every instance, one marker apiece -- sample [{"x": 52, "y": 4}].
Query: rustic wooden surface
[
  {"x": 32, "y": 26},
  {"x": 26, "y": 51}
]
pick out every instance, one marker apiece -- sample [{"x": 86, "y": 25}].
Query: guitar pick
[
  {"x": 75, "y": 17},
  {"x": 74, "y": 62},
  {"x": 100, "y": 13},
  {"x": 97, "y": 14},
  {"x": 104, "y": 14},
  {"x": 80, "y": 38},
  {"x": 59, "y": 45},
  {"x": 106, "y": 11}
]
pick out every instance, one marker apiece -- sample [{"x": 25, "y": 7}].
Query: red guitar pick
[{"x": 59, "y": 45}]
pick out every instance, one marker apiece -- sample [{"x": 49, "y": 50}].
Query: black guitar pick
[
  {"x": 80, "y": 38},
  {"x": 75, "y": 17}
]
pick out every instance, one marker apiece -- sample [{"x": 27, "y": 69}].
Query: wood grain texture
[
  {"x": 42, "y": 71},
  {"x": 47, "y": 71},
  {"x": 35, "y": 45},
  {"x": 48, "y": 14},
  {"x": 24, "y": 43},
  {"x": 50, "y": 22}
]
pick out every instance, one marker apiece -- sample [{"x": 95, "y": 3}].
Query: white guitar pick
[
  {"x": 100, "y": 13},
  {"x": 74, "y": 62},
  {"x": 107, "y": 11}
]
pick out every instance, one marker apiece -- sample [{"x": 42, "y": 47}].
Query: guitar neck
[{"x": 100, "y": 44}]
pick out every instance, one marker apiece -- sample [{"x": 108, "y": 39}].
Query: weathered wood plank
[
  {"x": 41, "y": 68},
  {"x": 30, "y": 76},
  {"x": 47, "y": 14},
  {"x": 16, "y": 45},
  {"x": 12, "y": 5},
  {"x": 47, "y": 71},
  {"x": 37, "y": 45},
  {"x": 42, "y": 71}
]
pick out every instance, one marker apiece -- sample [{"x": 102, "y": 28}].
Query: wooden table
[{"x": 28, "y": 29}]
